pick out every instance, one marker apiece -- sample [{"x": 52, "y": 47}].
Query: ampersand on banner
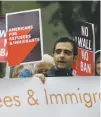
[{"x": 31, "y": 99}]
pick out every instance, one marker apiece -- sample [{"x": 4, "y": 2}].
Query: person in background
[
  {"x": 23, "y": 71},
  {"x": 98, "y": 63},
  {"x": 43, "y": 66}
]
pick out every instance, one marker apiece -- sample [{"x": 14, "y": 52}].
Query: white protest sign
[{"x": 59, "y": 97}]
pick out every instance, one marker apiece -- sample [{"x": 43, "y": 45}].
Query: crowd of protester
[{"x": 65, "y": 53}]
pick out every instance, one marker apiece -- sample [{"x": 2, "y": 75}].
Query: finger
[{"x": 43, "y": 79}]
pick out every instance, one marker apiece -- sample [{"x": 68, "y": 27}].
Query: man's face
[{"x": 63, "y": 55}]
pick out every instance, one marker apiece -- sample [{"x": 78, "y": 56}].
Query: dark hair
[{"x": 66, "y": 39}]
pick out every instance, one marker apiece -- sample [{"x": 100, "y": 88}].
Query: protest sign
[
  {"x": 58, "y": 97},
  {"x": 3, "y": 42},
  {"x": 85, "y": 38},
  {"x": 24, "y": 37}
]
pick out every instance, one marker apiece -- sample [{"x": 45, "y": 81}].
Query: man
[{"x": 65, "y": 53}]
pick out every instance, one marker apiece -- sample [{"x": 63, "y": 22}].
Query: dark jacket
[{"x": 54, "y": 72}]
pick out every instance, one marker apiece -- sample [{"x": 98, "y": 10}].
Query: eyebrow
[{"x": 64, "y": 49}]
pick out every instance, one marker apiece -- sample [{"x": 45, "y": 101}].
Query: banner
[
  {"x": 24, "y": 37},
  {"x": 84, "y": 36},
  {"x": 58, "y": 97},
  {"x": 3, "y": 41}
]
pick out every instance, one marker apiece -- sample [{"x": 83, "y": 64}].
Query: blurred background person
[
  {"x": 43, "y": 66},
  {"x": 26, "y": 70},
  {"x": 22, "y": 71},
  {"x": 98, "y": 63}
]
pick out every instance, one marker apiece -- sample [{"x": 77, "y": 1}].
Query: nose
[{"x": 62, "y": 54}]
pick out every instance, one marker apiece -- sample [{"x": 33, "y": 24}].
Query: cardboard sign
[
  {"x": 24, "y": 37},
  {"x": 3, "y": 41},
  {"x": 84, "y": 36},
  {"x": 58, "y": 97}
]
